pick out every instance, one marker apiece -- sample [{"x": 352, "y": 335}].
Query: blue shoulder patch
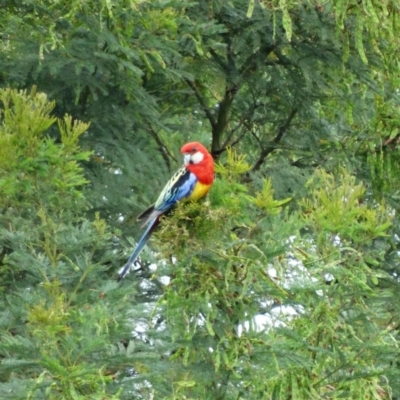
[{"x": 181, "y": 185}]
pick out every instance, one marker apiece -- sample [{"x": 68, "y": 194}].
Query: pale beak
[{"x": 186, "y": 158}]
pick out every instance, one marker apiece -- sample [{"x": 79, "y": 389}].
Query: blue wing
[{"x": 181, "y": 185}]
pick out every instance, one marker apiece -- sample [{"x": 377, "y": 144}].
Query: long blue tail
[{"x": 142, "y": 242}]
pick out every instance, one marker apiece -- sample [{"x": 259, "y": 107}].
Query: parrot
[{"x": 191, "y": 182}]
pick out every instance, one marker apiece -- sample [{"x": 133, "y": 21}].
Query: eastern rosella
[{"x": 191, "y": 182}]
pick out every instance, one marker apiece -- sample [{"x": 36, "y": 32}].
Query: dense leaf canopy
[{"x": 283, "y": 283}]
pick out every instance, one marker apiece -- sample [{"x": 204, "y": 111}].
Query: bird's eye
[{"x": 194, "y": 150}]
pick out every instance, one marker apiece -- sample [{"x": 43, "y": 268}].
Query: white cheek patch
[
  {"x": 186, "y": 158},
  {"x": 197, "y": 157}
]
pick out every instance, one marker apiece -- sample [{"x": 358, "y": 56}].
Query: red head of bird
[{"x": 199, "y": 162}]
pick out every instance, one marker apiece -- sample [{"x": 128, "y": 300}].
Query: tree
[
  {"x": 308, "y": 93},
  {"x": 57, "y": 326}
]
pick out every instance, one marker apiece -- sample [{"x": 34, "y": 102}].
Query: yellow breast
[{"x": 200, "y": 190}]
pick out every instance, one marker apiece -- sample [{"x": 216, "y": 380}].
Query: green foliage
[
  {"x": 297, "y": 101},
  {"x": 360, "y": 21},
  {"x": 32, "y": 163},
  {"x": 337, "y": 208},
  {"x": 55, "y": 332},
  {"x": 265, "y": 199},
  {"x": 338, "y": 340}
]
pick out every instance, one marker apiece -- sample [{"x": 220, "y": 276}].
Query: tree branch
[
  {"x": 222, "y": 118},
  {"x": 281, "y": 131},
  {"x": 162, "y": 148},
  {"x": 203, "y": 104},
  {"x": 218, "y": 59},
  {"x": 251, "y": 61}
]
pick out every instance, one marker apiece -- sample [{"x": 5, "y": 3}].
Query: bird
[{"x": 191, "y": 182}]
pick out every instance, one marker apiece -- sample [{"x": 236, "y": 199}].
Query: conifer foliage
[
  {"x": 283, "y": 283},
  {"x": 55, "y": 323}
]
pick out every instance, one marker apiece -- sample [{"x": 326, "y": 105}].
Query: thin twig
[
  {"x": 163, "y": 149},
  {"x": 202, "y": 102},
  {"x": 281, "y": 131}
]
